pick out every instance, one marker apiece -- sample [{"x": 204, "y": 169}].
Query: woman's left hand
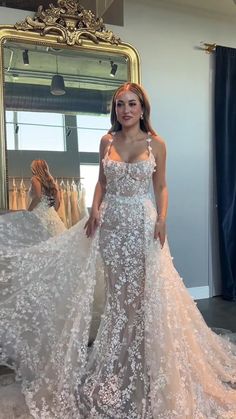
[{"x": 160, "y": 231}]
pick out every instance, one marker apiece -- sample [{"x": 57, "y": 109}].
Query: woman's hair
[
  {"x": 145, "y": 124},
  {"x": 40, "y": 170}
]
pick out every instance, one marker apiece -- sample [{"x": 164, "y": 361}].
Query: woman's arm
[
  {"x": 100, "y": 189},
  {"x": 36, "y": 193},
  {"x": 160, "y": 188}
]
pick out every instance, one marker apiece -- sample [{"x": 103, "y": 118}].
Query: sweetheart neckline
[{"x": 151, "y": 156}]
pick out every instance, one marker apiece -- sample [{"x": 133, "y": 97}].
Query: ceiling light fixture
[
  {"x": 57, "y": 83},
  {"x": 113, "y": 69},
  {"x": 25, "y": 57}
]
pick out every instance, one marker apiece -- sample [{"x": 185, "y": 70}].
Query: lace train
[
  {"x": 153, "y": 357},
  {"x": 25, "y": 228}
]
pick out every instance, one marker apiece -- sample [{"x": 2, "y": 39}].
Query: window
[
  {"x": 89, "y": 177},
  {"x": 35, "y": 131},
  {"x": 10, "y": 130},
  {"x": 90, "y": 130}
]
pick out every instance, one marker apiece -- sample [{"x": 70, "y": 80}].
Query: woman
[
  {"x": 45, "y": 197},
  {"x": 41, "y": 221},
  {"x": 154, "y": 357}
]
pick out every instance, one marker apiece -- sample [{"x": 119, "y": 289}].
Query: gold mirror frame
[{"x": 66, "y": 25}]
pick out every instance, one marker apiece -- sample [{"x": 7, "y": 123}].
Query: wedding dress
[
  {"x": 153, "y": 357},
  {"x": 26, "y": 228}
]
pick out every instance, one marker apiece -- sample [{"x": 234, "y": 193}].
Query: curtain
[{"x": 225, "y": 156}]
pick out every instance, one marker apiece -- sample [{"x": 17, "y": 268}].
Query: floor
[{"x": 218, "y": 313}]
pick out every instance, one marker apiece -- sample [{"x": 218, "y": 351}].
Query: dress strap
[
  {"x": 149, "y": 140},
  {"x": 109, "y": 145}
]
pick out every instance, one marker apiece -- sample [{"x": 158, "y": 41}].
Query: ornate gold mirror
[{"x": 58, "y": 72}]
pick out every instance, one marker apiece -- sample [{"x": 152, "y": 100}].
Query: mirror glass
[{"x": 57, "y": 104}]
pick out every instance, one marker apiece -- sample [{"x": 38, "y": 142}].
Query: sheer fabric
[
  {"x": 72, "y": 199},
  {"x": 22, "y": 197},
  {"x": 68, "y": 205},
  {"x": 27, "y": 228},
  {"x": 13, "y": 196},
  {"x": 75, "y": 213},
  {"x": 153, "y": 356},
  {"x": 62, "y": 209}
]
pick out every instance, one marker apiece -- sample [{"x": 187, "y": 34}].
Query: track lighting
[
  {"x": 113, "y": 69},
  {"x": 25, "y": 57}
]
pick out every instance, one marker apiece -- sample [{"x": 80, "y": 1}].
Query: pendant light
[
  {"x": 57, "y": 83},
  {"x": 113, "y": 69},
  {"x": 25, "y": 57}
]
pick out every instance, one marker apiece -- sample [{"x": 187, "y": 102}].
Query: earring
[{"x": 141, "y": 116}]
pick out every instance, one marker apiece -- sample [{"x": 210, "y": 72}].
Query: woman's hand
[
  {"x": 92, "y": 223},
  {"x": 160, "y": 231}
]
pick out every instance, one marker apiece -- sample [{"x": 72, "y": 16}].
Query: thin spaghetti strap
[
  {"x": 149, "y": 140},
  {"x": 109, "y": 145}
]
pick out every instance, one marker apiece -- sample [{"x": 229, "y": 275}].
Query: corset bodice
[
  {"x": 129, "y": 179},
  {"x": 47, "y": 199}
]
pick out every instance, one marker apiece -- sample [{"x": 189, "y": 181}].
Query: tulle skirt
[{"x": 153, "y": 357}]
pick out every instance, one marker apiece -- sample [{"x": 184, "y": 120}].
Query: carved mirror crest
[{"x": 58, "y": 71}]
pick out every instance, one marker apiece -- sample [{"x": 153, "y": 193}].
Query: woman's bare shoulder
[
  {"x": 106, "y": 138},
  {"x": 36, "y": 185},
  {"x": 158, "y": 144},
  {"x": 35, "y": 180},
  {"x": 105, "y": 141}
]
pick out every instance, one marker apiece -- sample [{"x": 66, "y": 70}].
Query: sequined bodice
[
  {"x": 129, "y": 179},
  {"x": 47, "y": 199}
]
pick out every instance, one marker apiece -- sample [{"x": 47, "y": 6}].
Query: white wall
[
  {"x": 10, "y": 16},
  {"x": 177, "y": 77}
]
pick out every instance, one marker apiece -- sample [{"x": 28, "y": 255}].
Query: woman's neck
[{"x": 131, "y": 135}]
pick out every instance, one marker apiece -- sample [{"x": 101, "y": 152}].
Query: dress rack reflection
[{"x": 72, "y": 193}]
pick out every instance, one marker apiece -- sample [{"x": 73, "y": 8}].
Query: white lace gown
[
  {"x": 153, "y": 358},
  {"x": 27, "y": 228}
]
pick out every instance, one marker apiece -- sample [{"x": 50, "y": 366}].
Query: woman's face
[{"x": 128, "y": 108}]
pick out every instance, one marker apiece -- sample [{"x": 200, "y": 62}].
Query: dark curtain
[{"x": 225, "y": 155}]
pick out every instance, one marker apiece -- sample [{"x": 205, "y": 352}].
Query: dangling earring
[{"x": 141, "y": 116}]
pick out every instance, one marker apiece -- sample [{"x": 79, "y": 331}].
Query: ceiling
[
  {"x": 112, "y": 11},
  {"x": 33, "y": 5},
  {"x": 88, "y": 81},
  {"x": 81, "y": 69}
]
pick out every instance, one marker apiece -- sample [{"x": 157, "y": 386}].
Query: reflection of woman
[
  {"x": 153, "y": 357},
  {"x": 43, "y": 186},
  {"x": 41, "y": 221},
  {"x": 45, "y": 197}
]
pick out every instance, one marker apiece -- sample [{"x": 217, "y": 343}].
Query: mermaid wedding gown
[
  {"x": 26, "y": 228},
  {"x": 153, "y": 357}
]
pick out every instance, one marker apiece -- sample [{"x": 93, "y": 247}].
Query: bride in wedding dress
[
  {"x": 153, "y": 357},
  {"x": 41, "y": 221}
]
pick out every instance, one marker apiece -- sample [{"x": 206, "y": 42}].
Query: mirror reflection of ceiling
[
  {"x": 88, "y": 78},
  {"x": 80, "y": 69},
  {"x": 112, "y": 11}
]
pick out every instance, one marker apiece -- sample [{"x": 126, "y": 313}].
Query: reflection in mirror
[{"x": 58, "y": 119}]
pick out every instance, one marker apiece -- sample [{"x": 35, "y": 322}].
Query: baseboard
[{"x": 199, "y": 293}]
